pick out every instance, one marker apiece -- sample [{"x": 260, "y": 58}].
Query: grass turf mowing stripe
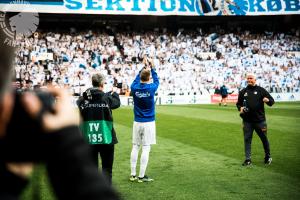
[
  {"x": 225, "y": 137},
  {"x": 182, "y": 171},
  {"x": 201, "y": 169}
]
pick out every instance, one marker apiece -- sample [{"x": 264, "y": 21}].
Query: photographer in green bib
[{"x": 97, "y": 127}]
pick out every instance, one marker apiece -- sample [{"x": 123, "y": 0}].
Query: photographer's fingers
[
  {"x": 32, "y": 104},
  {"x": 6, "y": 109},
  {"x": 64, "y": 114},
  {"x": 242, "y": 110},
  {"x": 23, "y": 170}
]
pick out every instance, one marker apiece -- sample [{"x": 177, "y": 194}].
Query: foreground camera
[
  {"x": 245, "y": 110},
  {"x": 24, "y": 139}
]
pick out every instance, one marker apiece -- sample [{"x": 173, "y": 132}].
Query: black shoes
[
  {"x": 268, "y": 160},
  {"x": 145, "y": 179},
  {"x": 247, "y": 162},
  {"x": 133, "y": 178}
]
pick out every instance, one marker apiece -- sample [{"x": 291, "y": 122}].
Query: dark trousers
[
  {"x": 107, "y": 158},
  {"x": 261, "y": 130}
]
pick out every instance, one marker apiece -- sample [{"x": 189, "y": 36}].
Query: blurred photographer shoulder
[
  {"x": 59, "y": 145},
  {"x": 12, "y": 176}
]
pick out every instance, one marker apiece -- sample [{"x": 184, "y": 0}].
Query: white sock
[
  {"x": 144, "y": 160},
  {"x": 133, "y": 158}
]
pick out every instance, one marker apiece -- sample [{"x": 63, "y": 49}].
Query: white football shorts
[{"x": 144, "y": 133}]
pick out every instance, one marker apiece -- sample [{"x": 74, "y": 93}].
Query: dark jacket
[
  {"x": 96, "y": 107},
  {"x": 251, "y": 97},
  {"x": 11, "y": 186},
  {"x": 72, "y": 173},
  {"x": 223, "y": 90},
  {"x": 71, "y": 170}
]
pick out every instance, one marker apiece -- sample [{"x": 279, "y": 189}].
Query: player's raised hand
[
  {"x": 151, "y": 62},
  {"x": 145, "y": 61}
]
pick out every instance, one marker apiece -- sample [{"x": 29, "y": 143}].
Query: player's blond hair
[{"x": 145, "y": 75}]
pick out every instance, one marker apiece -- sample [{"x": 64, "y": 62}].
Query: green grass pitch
[{"x": 199, "y": 153}]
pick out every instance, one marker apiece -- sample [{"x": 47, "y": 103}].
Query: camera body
[
  {"x": 24, "y": 140},
  {"x": 245, "y": 109}
]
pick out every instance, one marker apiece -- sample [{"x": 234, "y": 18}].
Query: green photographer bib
[{"x": 97, "y": 132}]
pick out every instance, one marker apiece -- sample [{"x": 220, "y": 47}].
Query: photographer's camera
[
  {"x": 245, "y": 109},
  {"x": 17, "y": 146}
]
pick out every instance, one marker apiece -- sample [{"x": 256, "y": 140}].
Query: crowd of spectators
[{"x": 188, "y": 61}]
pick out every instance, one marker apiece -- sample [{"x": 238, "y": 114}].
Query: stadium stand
[{"x": 190, "y": 61}]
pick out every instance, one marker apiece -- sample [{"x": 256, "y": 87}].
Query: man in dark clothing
[
  {"x": 224, "y": 94},
  {"x": 251, "y": 107},
  {"x": 66, "y": 155},
  {"x": 96, "y": 110}
]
